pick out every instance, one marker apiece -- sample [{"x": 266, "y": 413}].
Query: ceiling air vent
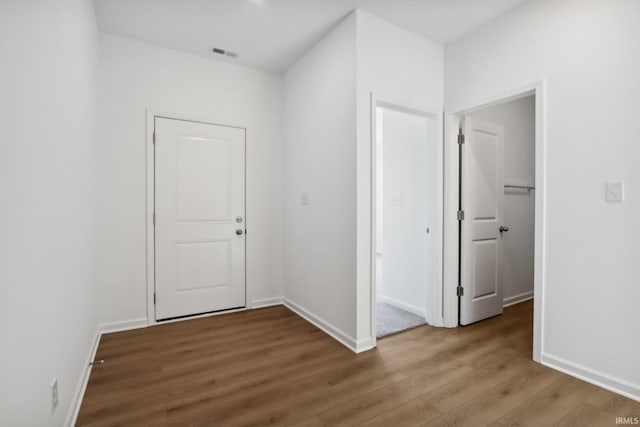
[{"x": 224, "y": 52}]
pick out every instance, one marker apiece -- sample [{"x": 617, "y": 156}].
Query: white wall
[
  {"x": 134, "y": 77},
  {"x": 320, "y": 237},
  {"x": 582, "y": 50},
  {"x": 404, "y": 146},
  {"x": 47, "y": 193},
  {"x": 401, "y": 65},
  {"x": 379, "y": 178},
  {"x": 518, "y": 119}
]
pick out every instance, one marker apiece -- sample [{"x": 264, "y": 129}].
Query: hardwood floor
[{"x": 269, "y": 366}]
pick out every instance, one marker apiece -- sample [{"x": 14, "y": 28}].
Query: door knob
[
  {"x": 239, "y": 232},
  {"x": 503, "y": 228}
]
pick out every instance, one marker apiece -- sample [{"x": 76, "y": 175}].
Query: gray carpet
[{"x": 391, "y": 320}]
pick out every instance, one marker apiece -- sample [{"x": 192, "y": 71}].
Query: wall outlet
[{"x": 54, "y": 395}]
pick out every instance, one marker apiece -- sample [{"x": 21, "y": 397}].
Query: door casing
[{"x": 434, "y": 287}]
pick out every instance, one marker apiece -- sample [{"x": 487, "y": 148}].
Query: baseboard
[
  {"x": 616, "y": 385},
  {"x": 364, "y": 345},
  {"x": 402, "y": 306},
  {"x": 268, "y": 302},
  {"x": 326, "y": 327},
  {"x": 517, "y": 299},
  {"x": 123, "y": 325},
  {"x": 76, "y": 402}
]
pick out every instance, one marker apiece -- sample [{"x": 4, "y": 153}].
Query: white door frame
[
  {"x": 150, "y": 196},
  {"x": 536, "y": 88},
  {"x": 434, "y": 292}
]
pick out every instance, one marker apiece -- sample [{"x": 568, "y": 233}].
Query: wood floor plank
[
  {"x": 550, "y": 405},
  {"x": 493, "y": 403},
  {"x": 271, "y": 367},
  {"x": 614, "y": 404},
  {"x": 373, "y": 404},
  {"x": 308, "y": 422},
  {"x": 585, "y": 415},
  {"x": 415, "y": 412}
]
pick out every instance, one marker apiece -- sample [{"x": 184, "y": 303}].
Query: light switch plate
[
  {"x": 397, "y": 199},
  {"x": 614, "y": 192},
  {"x": 304, "y": 199}
]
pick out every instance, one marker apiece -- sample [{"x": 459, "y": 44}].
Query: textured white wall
[
  {"x": 518, "y": 119},
  {"x": 583, "y": 50},
  {"x": 320, "y": 237},
  {"x": 48, "y": 192},
  {"x": 136, "y": 76}
]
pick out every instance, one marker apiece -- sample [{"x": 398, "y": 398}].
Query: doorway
[
  {"x": 524, "y": 192},
  {"x": 497, "y": 205},
  {"x": 402, "y": 217},
  {"x": 198, "y": 218}
]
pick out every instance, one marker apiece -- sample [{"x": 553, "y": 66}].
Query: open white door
[
  {"x": 199, "y": 218},
  {"x": 482, "y": 199}
]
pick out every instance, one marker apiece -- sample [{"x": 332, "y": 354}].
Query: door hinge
[
  {"x": 460, "y": 215},
  {"x": 460, "y": 291},
  {"x": 460, "y": 138},
  {"x": 154, "y": 137},
  {"x": 154, "y": 219},
  {"x": 154, "y": 298}
]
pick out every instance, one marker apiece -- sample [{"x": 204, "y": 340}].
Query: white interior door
[
  {"x": 482, "y": 196},
  {"x": 199, "y": 218}
]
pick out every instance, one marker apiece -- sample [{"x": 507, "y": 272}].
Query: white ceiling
[{"x": 272, "y": 34}]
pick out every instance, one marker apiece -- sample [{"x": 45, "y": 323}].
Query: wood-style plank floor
[{"x": 271, "y": 367}]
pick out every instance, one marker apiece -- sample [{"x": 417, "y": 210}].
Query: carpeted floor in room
[{"x": 391, "y": 320}]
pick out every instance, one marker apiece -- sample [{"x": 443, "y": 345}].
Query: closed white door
[
  {"x": 482, "y": 196},
  {"x": 199, "y": 218}
]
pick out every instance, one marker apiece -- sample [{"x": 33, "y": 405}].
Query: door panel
[
  {"x": 484, "y": 182},
  {"x": 203, "y": 265},
  {"x": 485, "y": 269},
  {"x": 203, "y": 161},
  {"x": 482, "y": 192},
  {"x": 199, "y": 192}
]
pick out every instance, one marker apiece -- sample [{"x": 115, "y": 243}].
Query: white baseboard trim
[
  {"x": 76, "y": 401},
  {"x": 364, "y": 345},
  {"x": 606, "y": 381},
  {"x": 268, "y": 302},
  {"x": 123, "y": 325},
  {"x": 517, "y": 299},
  {"x": 326, "y": 327},
  {"x": 403, "y": 306}
]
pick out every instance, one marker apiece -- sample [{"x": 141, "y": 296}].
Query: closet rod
[{"x": 524, "y": 187}]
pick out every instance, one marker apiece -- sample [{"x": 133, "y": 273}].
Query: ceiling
[{"x": 272, "y": 34}]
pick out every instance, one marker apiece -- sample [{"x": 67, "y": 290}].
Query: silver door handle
[
  {"x": 239, "y": 232},
  {"x": 503, "y": 228}
]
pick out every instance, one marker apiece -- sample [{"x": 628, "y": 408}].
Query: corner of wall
[{"x": 81, "y": 387}]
